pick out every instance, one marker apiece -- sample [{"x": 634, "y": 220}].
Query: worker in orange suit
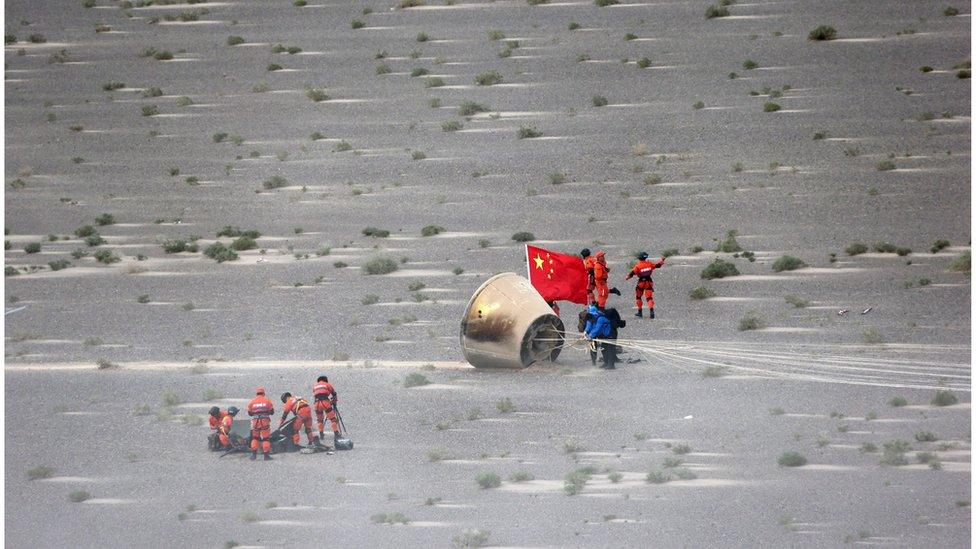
[
  {"x": 325, "y": 400},
  {"x": 215, "y": 417},
  {"x": 600, "y": 275},
  {"x": 226, "y": 424},
  {"x": 303, "y": 418},
  {"x": 260, "y": 409},
  {"x": 588, "y": 264},
  {"x": 645, "y": 286}
]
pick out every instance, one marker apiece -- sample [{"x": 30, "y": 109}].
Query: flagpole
[{"x": 528, "y": 272}]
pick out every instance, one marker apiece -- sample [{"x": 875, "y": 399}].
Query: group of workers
[
  {"x": 597, "y": 322},
  {"x": 260, "y": 409}
]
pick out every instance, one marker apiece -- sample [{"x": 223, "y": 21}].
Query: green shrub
[
  {"x": 855, "y": 249},
  {"x": 275, "y": 182},
  {"x": 32, "y": 248},
  {"x": 751, "y": 321},
  {"x": 451, "y": 126},
  {"x": 78, "y": 496},
  {"x": 962, "y": 263},
  {"x": 605, "y": 3},
  {"x": 643, "y": 63},
  {"x": 469, "y": 108},
  {"x": 431, "y": 230},
  {"x": 711, "y": 12},
  {"x": 698, "y": 105},
  {"x": 471, "y": 538},
  {"x": 655, "y": 476},
  {"x": 719, "y": 269},
  {"x": 749, "y": 65},
  {"x": 791, "y": 459},
  {"x": 94, "y": 240},
  {"x": 771, "y": 107},
  {"x": 821, "y": 33},
  {"x": 39, "y": 472},
  {"x": 939, "y": 245},
  {"x": 926, "y": 436},
  {"x": 243, "y": 243},
  {"x": 898, "y": 401},
  {"x": 59, "y": 264},
  {"x": 521, "y": 476},
  {"x": 106, "y": 257},
  {"x": 894, "y": 453},
  {"x": 599, "y": 101},
  {"x": 523, "y": 236},
  {"x": 488, "y": 479},
  {"x": 950, "y": 11},
  {"x": 527, "y": 132},
  {"x": 379, "y": 266},
  {"x": 796, "y": 301},
  {"x": 505, "y": 406},
  {"x": 422, "y": 37},
  {"x": 576, "y": 480},
  {"x": 234, "y": 40},
  {"x": 701, "y": 292},
  {"x": 489, "y": 78},
  {"x": 105, "y": 219},
  {"x": 944, "y": 398},
  {"x": 787, "y": 263},
  {"x": 389, "y": 518},
  {"x": 884, "y": 166},
  {"x": 219, "y": 253},
  {"x": 434, "y": 82},
  {"x": 375, "y": 233},
  {"x": 316, "y": 95}
]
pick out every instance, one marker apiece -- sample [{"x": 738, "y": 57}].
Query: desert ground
[{"x": 385, "y": 157}]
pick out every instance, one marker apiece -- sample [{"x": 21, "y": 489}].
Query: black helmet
[
  {"x": 323, "y": 378},
  {"x": 284, "y": 396},
  {"x": 585, "y": 252},
  {"x": 232, "y": 410},
  {"x": 642, "y": 256},
  {"x": 214, "y": 411}
]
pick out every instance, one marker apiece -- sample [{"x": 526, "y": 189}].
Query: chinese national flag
[{"x": 556, "y": 276}]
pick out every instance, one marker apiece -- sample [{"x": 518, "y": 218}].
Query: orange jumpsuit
[
  {"x": 303, "y": 418},
  {"x": 260, "y": 409},
  {"x": 588, "y": 263},
  {"x": 325, "y": 395},
  {"x": 643, "y": 270},
  {"x": 223, "y": 430},
  {"x": 600, "y": 275},
  {"x": 215, "y": 421}
]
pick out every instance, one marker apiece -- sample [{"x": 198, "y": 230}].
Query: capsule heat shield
[{"x": 507, "y": 324}]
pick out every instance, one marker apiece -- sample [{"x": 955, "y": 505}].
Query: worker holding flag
[{"x": 556, "y": 276}]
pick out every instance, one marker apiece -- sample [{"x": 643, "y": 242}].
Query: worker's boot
[
  {"x": 337, "y": 435},
  {"x": 614, "y": 291},
  {"x": 650, "y": 313},
  {"x": 640, "y": 313},
  {"x": 267, "y": 457},
  {"x": 254, "y": 456},
  {"x": 321, "y": 434}
]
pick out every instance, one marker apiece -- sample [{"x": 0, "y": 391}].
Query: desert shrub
[
  {"x": 489, "y": 78},
  {"x": 884, "y": 166},
  {"x": 655, "y": 476},
  {"x": 488, "y": 479},
  {"x": 105, "y": 219},
  {"x": 944, "y": 398},
  {"x": 470, "y": 538},
  {"x": 719, "y": 269},
  {"x": 599, "y": 101},
  {"x": 926, "y": 436},
  {"x": 652, "y": 179},
  {"x": 729, "y": 245},
  {"x": 106, "y": 257},
  {"x": 521, "y": 476},
  {"x": 527, "y": 132},
  {"x": 902, "y": 251},
  {"x": 275, "y": 182},
  {"x": 523, "y": 236},
  {"x": 855, "y": 249},
  {"x": 219, "y": 253},
  {"x": 469, "y": 108},
  {"x": 243, "y": 243},
  {"x": 78, "y": 496},
  {"x": 404, "y": 4},
  {"x": 950, "y": 11},
  {"x": 576, "y": 480},
  {"x": 711, "y": 12},
  {"x": 32, "y": 248},
  {"x": 749, "y": 65},
  {"x": 894, "y": 453},
  {"x": 962, "y": 263},
  {"x": 59, "y": 264},
  {"x": 389, "y": 518},
  {"x": 771, "y": 107},
  {"x": 939, "y": 245},
  {"x": 701, "y": 292},
  {"x": 714, "y": 371},
  {"x": 885, "y": 248},
  {"x": 419, "y": 155},
  {"x": 751, "y": 321},
  {"x": 451, "y": 126},
  {"x": 317, "y": 95},
  {"x": 791, "y": 459},
  {"x": 39, "y": 472},
  {"x": 697, "y": 105},
  {"x": 605, "y": 3},
  {"x": 434, "y": 82},
  {"x": 505, "y": 406},
  {"x": 150, "y": 110},
  {"x": 94, "y": 240},
  {"x": 897, "y": 401},
  {"x": 234, "y": 40},
  {"x": 431, "y": 230},
  {"x": 379, "y": 266},
  {"x": 797, "y": 301},
  {"x": 375, "y": 233},
  {"x": 821, "y": 33},
  {"x": 272, "y": 67},
  {"x": 643, "y": 63},
  {"x": 787, "y": 263}
]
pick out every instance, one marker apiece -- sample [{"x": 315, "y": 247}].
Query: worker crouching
[{"x": 303, "y": 418}]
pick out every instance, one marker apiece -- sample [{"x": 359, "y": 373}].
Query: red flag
[{"x": 556, "y": 276}]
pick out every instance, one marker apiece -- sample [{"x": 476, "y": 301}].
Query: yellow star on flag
[{"x": 538, "y": 261}]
